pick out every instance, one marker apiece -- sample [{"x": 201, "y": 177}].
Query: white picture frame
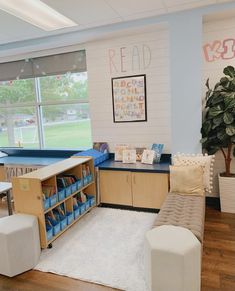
[
  {"x": 148, "y": 157},
  {"x": 129, "y": 156},
  {"x": 118, "y": 151}
]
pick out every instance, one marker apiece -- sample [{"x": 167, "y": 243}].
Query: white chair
[
  {"x": 19, "y": 244},
  {"x": 172, "y": 259}
]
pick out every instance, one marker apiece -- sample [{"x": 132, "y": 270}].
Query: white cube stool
[
  {"x": 172, "y": 259},
  {"x": 19, "y": 244}
]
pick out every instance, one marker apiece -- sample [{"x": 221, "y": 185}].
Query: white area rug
[{"x": 104, "y": 247}]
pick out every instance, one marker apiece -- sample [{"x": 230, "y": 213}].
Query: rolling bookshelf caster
[{"x": 50, "y": 246}]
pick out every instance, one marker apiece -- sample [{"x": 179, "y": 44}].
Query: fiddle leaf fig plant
[{"x": 218, "y": 126}]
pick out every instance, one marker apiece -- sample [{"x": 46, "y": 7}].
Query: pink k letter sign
[{"x": 216, "y": 50}]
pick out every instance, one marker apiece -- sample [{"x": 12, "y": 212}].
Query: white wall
[
  {"x": 214, "y": 61},
  {"x": 154, "y": 43}
]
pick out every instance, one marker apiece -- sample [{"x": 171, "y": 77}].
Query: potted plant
[{"x": 218, "y": 132}]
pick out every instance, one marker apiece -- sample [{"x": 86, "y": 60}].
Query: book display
[{"x": 59, "y": 195}]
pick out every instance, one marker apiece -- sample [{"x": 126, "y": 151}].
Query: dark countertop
[
  {"x": 39, "y": 161},
  {"x": 138, "y": 167}
]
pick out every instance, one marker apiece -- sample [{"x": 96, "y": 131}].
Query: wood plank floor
[{"x": 218, "y": 266}]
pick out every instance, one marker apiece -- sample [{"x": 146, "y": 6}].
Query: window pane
[
  {"x": 18, "y": 127},
  {"x": 17, "y": 91},
  {"x": 67, "y": 126},
  {"x": 64, "y": 87}
]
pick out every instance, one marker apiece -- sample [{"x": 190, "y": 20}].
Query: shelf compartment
[
  {"x": 68, "y": 226},
  {"x": 69, "y": 210}
]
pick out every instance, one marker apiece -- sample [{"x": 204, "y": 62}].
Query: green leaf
[
  {"x": 217, "y": 86},
  {"x": 218, "y": 120},
  {"x": 213, "y": 150},
  {"x": 233, "y": 138},
  {"x": 208, "y": 93},
  {"x": 228, "y": 118},
  {"x": 229, "y": 71},
  {"x": 226, "y": 94},
  {"x": 206, "y": 127},
  {"x": 222, "y": 135},
  {"x": 230, "y": 104},
  {"x": 217, "y": 98},
  {"x": 215, "y": 111},
  {"x": 207, "y": 84},
  {"x": 225, "y": 82},
  {"x": 203, "y": 140},
  {"x": 230, "y": 130}
]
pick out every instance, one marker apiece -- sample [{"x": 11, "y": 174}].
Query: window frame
[{"x": 38, "y": 104}]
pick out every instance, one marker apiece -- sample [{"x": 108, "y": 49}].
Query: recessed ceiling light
[{"x": 37, "y": 13}]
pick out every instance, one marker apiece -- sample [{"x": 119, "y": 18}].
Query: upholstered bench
[
  {"x": 187, "y": 211},
  {"x": 173, "y": 247}
]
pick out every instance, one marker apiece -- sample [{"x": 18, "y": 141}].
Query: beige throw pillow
[
  {"x": 186, "y": 180},
  {"x": 201, "y": 160}
]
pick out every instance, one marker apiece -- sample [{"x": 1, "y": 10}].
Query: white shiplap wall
[
  {"x": 217, "y": 30},
  {"x": 157, "y": 128}
]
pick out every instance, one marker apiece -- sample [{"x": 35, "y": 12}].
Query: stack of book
[{"x": 65, "y": 181}]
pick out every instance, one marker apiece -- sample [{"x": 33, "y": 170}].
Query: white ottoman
[
  {"x": 19, "y": 244},
  {"x": 172, "y": 259}
]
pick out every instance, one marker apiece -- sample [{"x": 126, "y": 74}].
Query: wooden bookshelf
[{"x": 29, "y": 198}]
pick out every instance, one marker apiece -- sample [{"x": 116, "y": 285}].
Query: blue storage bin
[
  {"x": 79, "y": 184},
  {"x": 46, "y": 203},
  {"x": 63, "y": 223},
  {"x": 70, "y": 217},
  {"x": 61, "y": 194},
  {"x": 85, "y": 180},
  {"x": 56, "y": 229},
  {"x": 82, "y": 208},
  {"x": 73, "y": 187},
  {"x": 49, "y": 234},
  {"x": 87, "y": 204},
  {"x": 68, "y": 191},
  {"x": 53, "y": 199},
  {"x": 76, "y": 213},
  {"x": 98, "y": 157},
  {"x": 89, "y": 178},
  {"x": 91, "y": 200}
]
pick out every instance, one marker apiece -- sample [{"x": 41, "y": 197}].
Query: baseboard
[
  {"x": 213, "y": 202},
  {"x": 126, "y": 207}
]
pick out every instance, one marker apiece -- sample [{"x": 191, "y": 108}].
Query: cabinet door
[
  {"x": 149, "y": 189},
  {"x": 115, "y": 187}
]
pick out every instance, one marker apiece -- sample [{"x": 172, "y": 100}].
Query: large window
[{"x": 45, "y": 111}]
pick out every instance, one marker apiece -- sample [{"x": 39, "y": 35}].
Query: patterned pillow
[{"x": 202, "y": 160}]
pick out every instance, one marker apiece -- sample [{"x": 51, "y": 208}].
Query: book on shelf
[
  {"x": 66, "y": 180},
  {"x": 85, "y": 170},
  {"x": 157, "y": 148},
  {"x": 101, "y": 147},
  {"x": 48, "y": 190}
]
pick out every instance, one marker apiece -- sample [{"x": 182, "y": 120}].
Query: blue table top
[
  {"x": 39, "y": 161},
  {"x": 138, "y": 167}
]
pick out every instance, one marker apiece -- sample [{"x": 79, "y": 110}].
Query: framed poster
[{"x": 129, "y": 98}]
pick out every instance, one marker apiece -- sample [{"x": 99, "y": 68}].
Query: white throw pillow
[{"x": 202, "y": 160}]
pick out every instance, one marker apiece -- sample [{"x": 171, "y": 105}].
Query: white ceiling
[{"x": 94, "y": 13}]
